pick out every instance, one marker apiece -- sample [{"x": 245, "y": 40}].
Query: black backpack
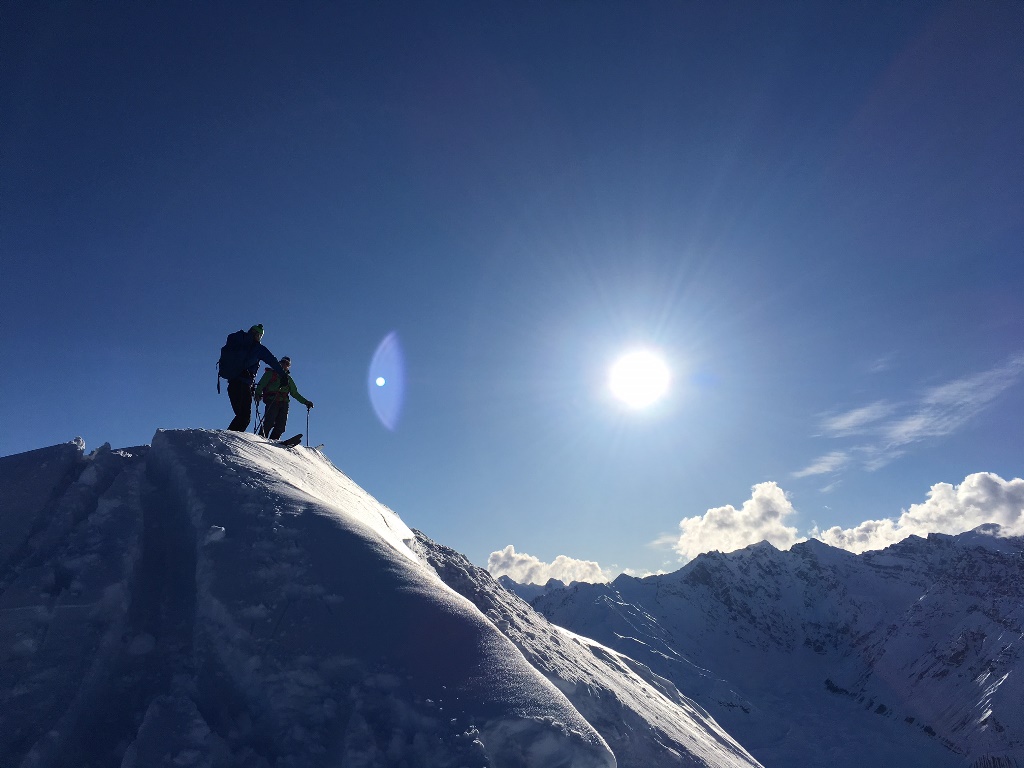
[{"x": 233, "y": 355}]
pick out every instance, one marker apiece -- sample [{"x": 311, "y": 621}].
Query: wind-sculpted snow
[
  {"x": 219, "y": 601},
  {"x": 65, "y": 594},
  {"x": 644, "y": 718},
  {"x": 911, "y": 656},
  {"x": 30, "y": 486}
]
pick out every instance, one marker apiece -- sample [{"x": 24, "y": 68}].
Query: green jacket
[{"x": 270, "y": 389}]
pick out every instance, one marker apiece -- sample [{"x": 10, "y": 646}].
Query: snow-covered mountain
[
  {"x": 529, "y": 591},
  {"x": 214, "y": 600},
  {"x": 643, "y": 717},
  {"x": 911, "y": 656}
]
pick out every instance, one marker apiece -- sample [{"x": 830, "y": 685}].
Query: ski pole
[
  {"x": 259, "y": 422},
  {"x": 307, "y": 427}
]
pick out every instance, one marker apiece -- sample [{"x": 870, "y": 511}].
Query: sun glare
[{"x": 639, "y": 379}]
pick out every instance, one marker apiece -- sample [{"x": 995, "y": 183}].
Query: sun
[{"x": 639, "y": 378}]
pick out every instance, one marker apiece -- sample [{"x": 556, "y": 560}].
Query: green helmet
[{"x": 258, "y": 330}]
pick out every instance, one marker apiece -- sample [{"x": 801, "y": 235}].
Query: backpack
[
  {"x": 233, "y": 356},
  {"x": 280, "y": 392}
]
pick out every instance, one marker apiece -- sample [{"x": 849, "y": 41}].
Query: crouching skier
[{"x": 275, "y": 389}]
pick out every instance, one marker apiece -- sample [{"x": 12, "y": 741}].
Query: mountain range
[
  {"x": 908, "y": 656},
  {"x": 214, "y": 600}
]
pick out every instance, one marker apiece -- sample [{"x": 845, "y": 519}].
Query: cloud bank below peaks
[
  {"x": 981, "y": 498},
  {"x": 726, "y": 529},
  {"x": 527, "y": 569}
]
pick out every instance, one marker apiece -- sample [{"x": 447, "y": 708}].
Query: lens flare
[{"x": 386, "y": 381}]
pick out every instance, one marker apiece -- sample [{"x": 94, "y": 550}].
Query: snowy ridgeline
[
  {"x": 912, "y": 656},
  {"x": 214, "y": 600}
]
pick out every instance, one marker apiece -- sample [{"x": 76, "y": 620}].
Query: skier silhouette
[{"x": 275, "y": 391}]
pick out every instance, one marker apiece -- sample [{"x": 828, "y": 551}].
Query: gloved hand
[{"x": 309, "y": 405}]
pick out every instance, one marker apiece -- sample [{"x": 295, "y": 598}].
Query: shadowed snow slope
[{"x": 216, "y": 600}]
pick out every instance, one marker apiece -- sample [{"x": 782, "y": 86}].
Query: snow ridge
[
  {"x": 919, "y": 644},
  {"x": 644, "y": 718},
  {"x": 216, "y": 600}
]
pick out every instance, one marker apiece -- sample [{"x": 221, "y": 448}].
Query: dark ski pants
[
  {"x": 240, "y": 394},
  {"x": 275, "y": 419}
]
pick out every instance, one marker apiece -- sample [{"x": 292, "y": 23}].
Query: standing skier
[
  {"x": 275, "y": 391},
  {"x": 239, "y": 360}
]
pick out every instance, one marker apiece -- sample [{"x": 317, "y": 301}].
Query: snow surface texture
[
  {"x": 215, "y": 600},
  {"x": 911, "y": 656},
  {"x": 643, "y": 717}
]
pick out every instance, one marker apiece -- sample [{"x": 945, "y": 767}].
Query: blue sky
[{"x": 814, "y": 212}]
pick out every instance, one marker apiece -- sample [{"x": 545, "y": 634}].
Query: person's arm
[
  {"x": 269, "y": 359},
  {"x": 295, "y": 393}
]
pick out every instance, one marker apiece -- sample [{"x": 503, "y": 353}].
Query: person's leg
[
  {"x": 241, "y": 404},
  {"x": 280, "y": 421},
  {"x": 269, "y": 417}
]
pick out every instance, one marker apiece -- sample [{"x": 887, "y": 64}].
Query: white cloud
[
  {"x": 886, "y": 431},
  {"x": 981, "y": 498},
  {"x": 823, "y": 465},
  {"x": 856, "y": 420},
  {"x": 877, "y": 456},
  {"x": 946, "y": 408},
  {"x": 664, "y": 541},
  {"x": 881, "y": 364},
  {"x": 727, "y": 529},
  {"x": 527, "y": 569}
]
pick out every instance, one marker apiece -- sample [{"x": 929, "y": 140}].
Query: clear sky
[{"x": 813, "y": 211}]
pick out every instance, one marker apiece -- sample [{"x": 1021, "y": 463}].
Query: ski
[{"x": 291, "y": 442}]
